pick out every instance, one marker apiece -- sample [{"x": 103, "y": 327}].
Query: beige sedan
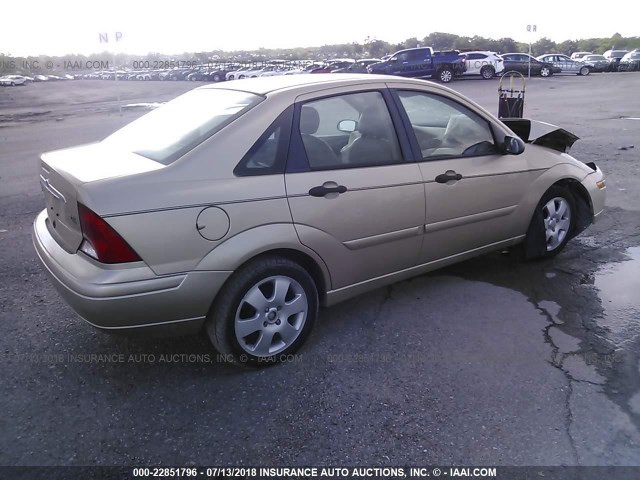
[{"x": 242, "y": 207}]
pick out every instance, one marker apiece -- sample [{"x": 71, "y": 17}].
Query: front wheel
[
  {"x": 445, "y": 74},
  {"x": 217, "y": 78},
  {"x": 264, "y": 313},
  {"x": 584, "y": 71},
  {"x": 552, "y": 223},
  {"x": 545, "y": 72},
  {"x": 487, "y": 72}
]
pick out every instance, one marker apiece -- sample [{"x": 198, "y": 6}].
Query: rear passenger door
[{"x": 353, "y": 197}]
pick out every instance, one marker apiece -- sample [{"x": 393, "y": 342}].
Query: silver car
[
  {"x": 564, "y": 64},
  {"x": 244, "y": 206}
]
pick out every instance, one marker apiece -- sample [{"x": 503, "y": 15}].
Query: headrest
[
  {"x": 309, "y": 120},
  {"x": 373, "y": 123}
]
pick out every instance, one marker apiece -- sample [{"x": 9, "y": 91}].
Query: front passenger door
[{"x": 471, "y": 189}]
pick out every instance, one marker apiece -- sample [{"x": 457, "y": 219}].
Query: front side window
[
  {"x": 444, "y": 128},
  {"x": 347, "y": 131},
  {"x": 170, "y": 131}
]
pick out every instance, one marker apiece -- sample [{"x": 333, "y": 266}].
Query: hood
[{"x": 542, "y": 133}]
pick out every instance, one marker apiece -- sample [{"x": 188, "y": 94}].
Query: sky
[{"x": 59, "y": 27}]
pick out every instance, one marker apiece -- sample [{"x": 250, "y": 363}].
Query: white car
[
  {"x": 12, "y": 80},
  {"x": 236, "y": 73},
  {"x": 579, "y": 55},
  {"x": 257, "y": 71},
  {"x": 307, "y": 69},
  {"x": 276, "y": 72},
  {"x": 484, "y": 63}
]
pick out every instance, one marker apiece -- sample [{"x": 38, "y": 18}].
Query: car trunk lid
[{"x": 64, "y": 175}]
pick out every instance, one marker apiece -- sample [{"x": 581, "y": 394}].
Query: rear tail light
[{"x": 101, "y": 241}]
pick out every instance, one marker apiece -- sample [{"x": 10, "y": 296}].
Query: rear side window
[
  {"x": 269, "y": 154},
  {"x": 167, "y": 133},
  {"x": 476, "y": 56}
]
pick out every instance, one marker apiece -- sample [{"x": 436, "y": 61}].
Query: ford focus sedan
[{"x": 243, "y": 207}]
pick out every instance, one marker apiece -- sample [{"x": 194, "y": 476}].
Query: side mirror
[
  {"x": 512, "y": 145},
  {"x": 347, "y": 126},
  {"x": 393, "y": 59}
]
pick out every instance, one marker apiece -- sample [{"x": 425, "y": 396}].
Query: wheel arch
[
  {"x": 274, "y": 239},
  {"x": 305, "y": 261},
  {"x": 584, "y": 205}
]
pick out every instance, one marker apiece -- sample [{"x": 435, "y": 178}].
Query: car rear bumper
[{"x": 125, "y": 296}]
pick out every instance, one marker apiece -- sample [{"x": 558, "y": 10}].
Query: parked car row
[
  {"x": 17, "y": 80},
  {"x": 421, "y": 62}
]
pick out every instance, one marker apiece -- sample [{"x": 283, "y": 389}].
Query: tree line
[{"x": 370, "y": 47}]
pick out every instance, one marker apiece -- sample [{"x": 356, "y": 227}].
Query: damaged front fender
[{"x": 541, "y": 133}]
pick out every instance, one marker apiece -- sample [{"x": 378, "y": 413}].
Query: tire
[
  {"x": 445, "y": 74},
  {"x": 545, "y": 72},
  {"x": 487, "y": 72},
  {"x": 239, "y": 328},
  {"x": 552, "y": 224},
  {"x": 217, "y": 78},
  {"x": 241, "y": 77},
  {"x": 584, "y": 71}
]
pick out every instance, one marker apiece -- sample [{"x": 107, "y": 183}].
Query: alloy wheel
[
  {"x": 557, "y": 221},
  {"x": 271, "y": 316}
]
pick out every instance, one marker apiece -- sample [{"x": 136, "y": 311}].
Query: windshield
[{"x": 165, "y": 134}]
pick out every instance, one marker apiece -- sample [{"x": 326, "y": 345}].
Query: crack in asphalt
[{"x": 555, "y": 351}]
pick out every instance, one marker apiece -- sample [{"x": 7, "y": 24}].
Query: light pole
[{"x": 530, "y": 29}]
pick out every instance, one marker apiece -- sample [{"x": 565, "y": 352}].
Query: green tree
[
  {"x": 567, "y": 47},
  {"x": 542, "y": 46},
  {"x": 440, "y": 41}
]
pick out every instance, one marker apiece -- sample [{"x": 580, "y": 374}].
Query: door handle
[
  {"x": 321, "y": 190},
  {"x": 447, "y": 177}
]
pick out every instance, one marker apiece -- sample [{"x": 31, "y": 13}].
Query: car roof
[{"x": 304, "y": 83}]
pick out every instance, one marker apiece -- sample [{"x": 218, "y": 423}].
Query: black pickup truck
[{"x": 422, "y": 62}]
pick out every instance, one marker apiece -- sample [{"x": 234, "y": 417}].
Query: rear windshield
[{"x": 170, "y": 131}]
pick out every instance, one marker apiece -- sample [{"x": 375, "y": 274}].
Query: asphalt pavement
[{"x": 493, "y": 361}]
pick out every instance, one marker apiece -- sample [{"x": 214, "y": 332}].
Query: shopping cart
[{"x": 511, "y": 99}]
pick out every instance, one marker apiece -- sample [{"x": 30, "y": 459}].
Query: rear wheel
[
  {"x": 217, "y": 78},
  {"x": 552, "y": 224},
  {"x": 487, "y": 72},
  {"x": 445, "y": 74},
  {"x": 584, "y": 71},
  {"x": 264, "y": 313},
  {"x": 545, "y": 72}
]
